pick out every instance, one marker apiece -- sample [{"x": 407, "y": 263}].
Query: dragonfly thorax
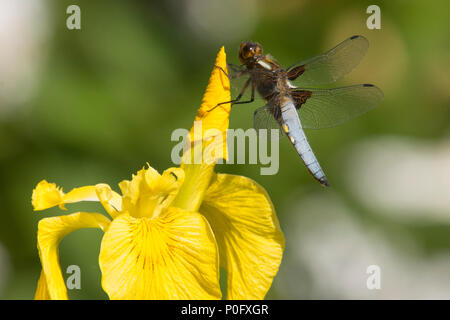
[{"x": 271, "y": 83}]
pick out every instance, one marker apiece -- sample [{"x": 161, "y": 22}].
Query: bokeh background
[{"x": 80, "y": 107}]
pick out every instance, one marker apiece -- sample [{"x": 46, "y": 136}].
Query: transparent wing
[
  {"x": 327, "y": 108},
  {"x": 330, "y": 66},
  {"x": 264, "y": 118}
]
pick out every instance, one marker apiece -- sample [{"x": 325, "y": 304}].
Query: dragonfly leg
[
  {"x": 233, "y": 76},
  {"x": 236, "y": 100}
]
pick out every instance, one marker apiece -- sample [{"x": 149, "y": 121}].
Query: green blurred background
[{"x": 79, "y": 107}]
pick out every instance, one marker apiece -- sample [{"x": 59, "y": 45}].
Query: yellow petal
[
  {"x": 173, "y": 256},
  {"x": 197, "y": 179},
  {"x": 111, "y": 200},
  {"x": 148, "y": 192},
  {"x": 170, "y": 181},
  {"x": 42, "y": 290},
  {"x": 217, "y": 91},
  {"x": 47, "y": 195},
  {"x": 248, "y": 234},
  {"x": 50, "y": 232},
  {"x": 214, "y": 123},
  {"x": 87, "y": 193}
]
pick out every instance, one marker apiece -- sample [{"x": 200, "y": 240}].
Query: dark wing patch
[{"x": 300, "y": 97}]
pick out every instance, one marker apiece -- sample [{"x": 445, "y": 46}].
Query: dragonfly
[{"x": 292, "y": 105}]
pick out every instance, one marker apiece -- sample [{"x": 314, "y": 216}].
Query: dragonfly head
[{"x": 248, "y": 51}]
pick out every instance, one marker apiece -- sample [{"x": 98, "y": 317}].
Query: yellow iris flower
[{"x": 169, "y": 233}]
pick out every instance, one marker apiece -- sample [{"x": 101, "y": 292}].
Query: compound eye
[{"x": 249, "y": 51}]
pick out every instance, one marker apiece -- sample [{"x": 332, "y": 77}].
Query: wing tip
[
  {"x": 358, "y": 36},
  {"x": 361, "y": 39},
  {"x": 380, "y": 92}
]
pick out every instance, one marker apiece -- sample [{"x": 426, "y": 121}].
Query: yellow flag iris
[{"x": 168, "y": 233}]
